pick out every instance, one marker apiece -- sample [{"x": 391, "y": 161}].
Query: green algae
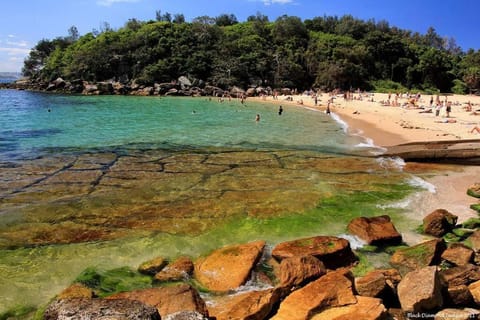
[{"x": 108, "y": 282}]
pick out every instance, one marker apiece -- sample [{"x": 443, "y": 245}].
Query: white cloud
[
  {"x": 22, "y": 44},
  {"x": 14, "y": 51},
  {"x": 270, "y": 2},
  {"x": 108, "y": 3}
]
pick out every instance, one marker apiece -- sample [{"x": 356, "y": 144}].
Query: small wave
[
  {"x": 355, "y": 242},
  {"x": 404, "y": 204},
  {"x": 391, "y": 163},
  {"x": 420, "y": 183},
  {"x": 342, "y": 123}
]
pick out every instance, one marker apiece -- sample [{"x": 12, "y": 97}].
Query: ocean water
[{"x": 111, "y": 181}]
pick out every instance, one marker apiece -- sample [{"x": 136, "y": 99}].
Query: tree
[
  {"x": 224, "y": 20},
  {"x": 73, "y": 34}
]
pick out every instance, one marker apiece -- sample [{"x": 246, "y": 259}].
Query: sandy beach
[{"x": 367, "y": 115}]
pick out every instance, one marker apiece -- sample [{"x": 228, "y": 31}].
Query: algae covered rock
[
  {"x": 474, "y": 190},
  {"x": 421, "y": 255},
  {"x": 439, "y": 222}
]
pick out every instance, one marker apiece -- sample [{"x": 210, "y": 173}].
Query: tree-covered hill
[{"x": 323, "y": 52}]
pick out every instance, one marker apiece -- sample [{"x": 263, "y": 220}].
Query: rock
[
  {"x": 229, "y": 267},
  {"x": 153, "y": 266},
  {"x": 474, "y": 289},
  {"x": 105, "y": 87},
  {"x": 237, "y": 92},
  {"x": 421, "y": 255},
  {"x": 185, "y": 315},
  {"x": 461, "y": 275},
  {"x": 86, "y": 309},
  {"x": 332, "y": 251},
  {"x": 295, "y": 271},
  {"x": 250, "y": 92},
  {"x": 420, "y": 290},
  {"x": 184, "y": 82},
  {"x": 180, "y": 269},
  {"x": 458, "y": 296},
  {"x": 76, "y": 290},
  {"x": 474, "y": 241},
  {"x": 249, "y": 305},
  {"x": 90, "y": 89},
  {"x": 372, "y": 284},
  {"x": 439, "y": 222},
  {"x": 365, "y": 309},
  {"x": 474, "y": 190},
  {"x": 375, "y": 230},
  {"x": 458, "y": 254},
  {"x": 332, "y": 290},
  {"x": 167, "y": 300},
  {"x": 457, "y": 314}
]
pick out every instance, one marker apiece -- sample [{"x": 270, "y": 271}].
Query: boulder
[
  {"x": 332, "y": 251},
  {"x": 458, "y": 296},
  {"x": 180, "y": 269},
  {"x": 185, "y": 315},
  {"x": 90, "y": 89},
  {"x": 167, "y": 300},
  {"x": 439, "y": 222},
  {"x": 375, "y": 230},
  {"x": 105, "y": 87},
  {"x": 421, "y": 255},
  {"x": 153, "y": 266},
  {"x": 474, "y": 190},
  {"x": 474, "y": 241},
  {"x": 331, "y": 290},
  {"x": 474, "y": 289},
  {"x": 460, "y": 275},
  {"x": 420, "y": 290},
  {"x": 229, "y": 267},
  {"x": 251, "y": 92},
  {"x": 295, "y": 271},
  {"x": 457, "y": 314},
  {"x": 59, "y": 83},
  {"x": 86, "y": 309},
  {"x": 76, "y": 290},
  {"x": 372, "y": 284},
  {"x": 365, "y": 309},
  {"x": 458, "y": 254},
  {"x": 248, "y": 305},
  {"x": 184, "y": 82}
]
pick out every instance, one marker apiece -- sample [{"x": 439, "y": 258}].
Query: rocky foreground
[{"x": 311, "y": 278}]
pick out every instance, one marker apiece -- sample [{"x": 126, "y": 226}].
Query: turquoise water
[
  {"x": 231, "y": 178},
  {"x": 33, "y": 123}
]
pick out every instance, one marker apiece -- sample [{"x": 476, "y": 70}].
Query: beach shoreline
[{"x": 386, "y": 126}]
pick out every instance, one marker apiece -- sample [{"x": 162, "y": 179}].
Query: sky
[{"x": 25, "y": 22}]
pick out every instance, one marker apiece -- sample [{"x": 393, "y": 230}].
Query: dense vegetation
[{"x": 323, "y": 52}]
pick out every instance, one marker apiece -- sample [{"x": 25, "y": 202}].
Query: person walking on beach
[{"x": 328, "y": 108}]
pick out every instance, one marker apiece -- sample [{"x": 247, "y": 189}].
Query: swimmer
[{"x": 257, "y": 118}]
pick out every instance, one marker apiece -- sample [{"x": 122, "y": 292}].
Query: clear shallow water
[
  {"x": 32, "y": 123},
  {"x": 143, "y": 177}
]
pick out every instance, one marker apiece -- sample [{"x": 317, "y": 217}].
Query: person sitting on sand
[
  {"x": 446, "y": 121},
  {"x": 475, "y": 129}
]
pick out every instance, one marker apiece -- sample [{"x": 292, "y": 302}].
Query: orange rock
[{"x": 375, "y": 230}]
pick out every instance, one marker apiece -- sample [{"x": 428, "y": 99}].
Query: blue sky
[{"x": 24, "y": 22}]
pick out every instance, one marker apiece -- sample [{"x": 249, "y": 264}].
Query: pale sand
[{"x": 388, "y": 126}]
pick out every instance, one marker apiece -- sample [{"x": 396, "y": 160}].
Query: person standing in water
[
  {"x": 280, "y": 111},
  {"x": 257, "y": 118}
]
